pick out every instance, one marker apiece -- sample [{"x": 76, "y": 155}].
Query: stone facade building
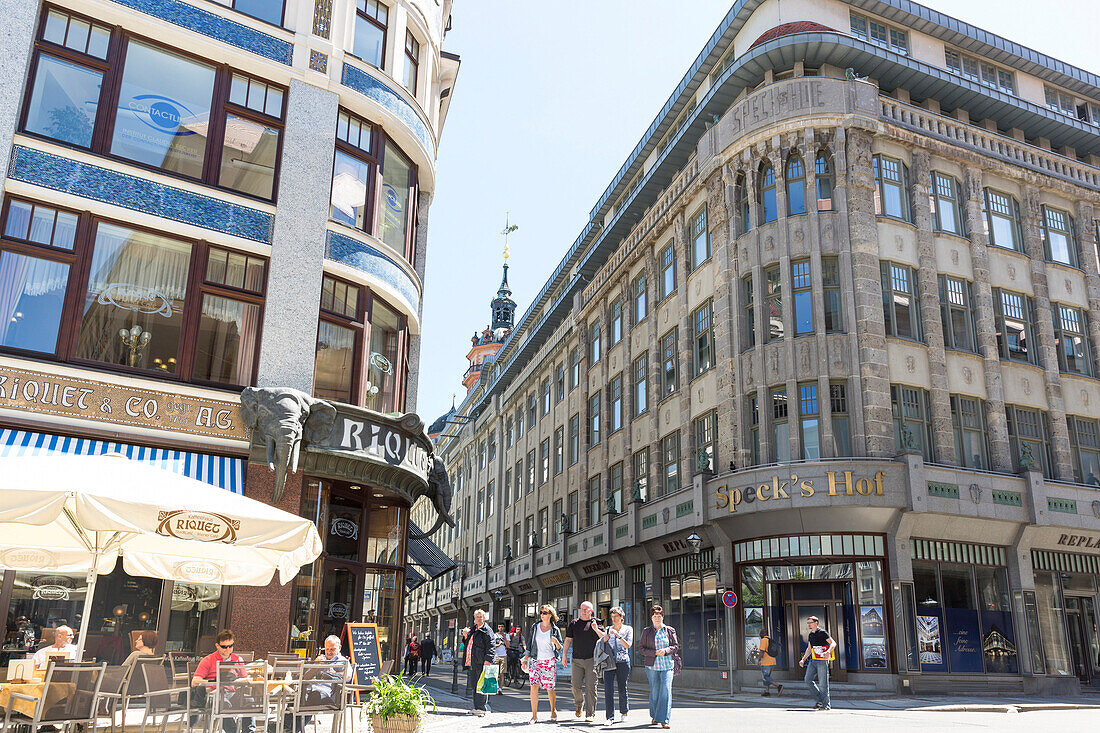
[
  {"x": 830, "y": 340},
  {"x": 203, "y": 198}
]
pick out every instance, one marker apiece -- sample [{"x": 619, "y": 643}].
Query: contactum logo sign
[
  {"x": 187, "y": 524},
  {"x": 793, "y": 488}
]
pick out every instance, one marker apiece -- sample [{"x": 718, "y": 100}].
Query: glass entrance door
[
  {"x": 339, "y": 598},
  {"x": 829, "y": 613},
  {"x": 1083, "y": 642}
]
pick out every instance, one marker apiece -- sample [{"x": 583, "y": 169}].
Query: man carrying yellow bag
[{"x": 479, "y": 658}]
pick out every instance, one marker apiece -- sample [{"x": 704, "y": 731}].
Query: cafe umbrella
[{"x": 69, "y": 513}]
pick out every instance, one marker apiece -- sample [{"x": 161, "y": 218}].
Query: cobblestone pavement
[{"x": 699, "y": 710}]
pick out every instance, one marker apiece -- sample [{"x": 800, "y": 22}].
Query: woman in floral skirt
[{"x": 544, "y": 647}]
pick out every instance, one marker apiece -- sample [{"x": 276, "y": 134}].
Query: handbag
[{"x": 487, "y": 683}]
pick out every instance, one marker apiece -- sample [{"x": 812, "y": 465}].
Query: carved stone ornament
[
  {"x": 1096, "y": 509},
  {"x": 968, "y": 374},
  {"x": 899, "y": 242},
  {"x": 1027, "y": 458},
  {"x": 1026, "y": 384},
  {"x": 1069, "y": 286},
  {"x": 1084, "y": 397},
  {"x": 910, "y": 364},
  {"x": 954, "y": 257},
  {"x": 799, "y": 235},
  {"x": 769, "y": 243},
  {"x": 1012, "y": 272},
  {"x": 828, "y": 234}
]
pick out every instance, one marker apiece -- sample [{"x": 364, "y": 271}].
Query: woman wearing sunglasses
[
  {"x": 660, "y": 649},
  {"x": 544, "y": 648}
]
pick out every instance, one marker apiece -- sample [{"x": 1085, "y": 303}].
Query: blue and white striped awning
[{"x": 227, "y": 473}]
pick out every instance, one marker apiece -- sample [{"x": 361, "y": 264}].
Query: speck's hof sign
[{"x": 793, "y": 489}]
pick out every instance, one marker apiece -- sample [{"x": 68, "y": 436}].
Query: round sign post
[{"x": 729, "y": 598}]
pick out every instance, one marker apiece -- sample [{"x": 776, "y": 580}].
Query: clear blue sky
[{"x": 550, "y": 99}]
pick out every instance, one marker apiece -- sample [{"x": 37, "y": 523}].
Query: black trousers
[
  {"x": 481, "y": 702},
  {"x": 425, "y": 666}
]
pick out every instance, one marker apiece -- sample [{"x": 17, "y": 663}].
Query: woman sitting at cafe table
[
  {"x": 207, "y": 671},
  {"x": 62, "y": 645}
]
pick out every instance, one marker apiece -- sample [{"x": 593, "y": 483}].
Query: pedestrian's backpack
[{"x": 757, "y": 654}]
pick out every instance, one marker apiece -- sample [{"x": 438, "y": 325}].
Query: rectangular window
[
  {"x": 480, "y": 506},
  {"x": 1058, "y": 237},
  {"x": 1059, "y": 101},
  {"x": 615, "y": 323},
  {"x": 670, "y": 463},
  {"x": 641, "y": 382},
  {"x": 545, "y": 397},
  {"x": 509, "y": 433},
  {"x": 615, "y": 402},
  {"x": 810, "y": 416},
  {"x": 641, "y": 474},
  {"x": 592, "y": 501},
  {"x": 891, "y": 188},
  {"x": 1002, "y": 220},
  {"x": 748, "y": 335},
  {"x": 559, "y": 451},
  {"x": 880, "y": 34},
  {"x": 593, "y": 343},
  {"x": 412, "y": 62},
  {"x": 481, "y": 456},
  {"x": 1070, "y": 327},
  {"x": 518, "y": 491},
  {"x": 34, "y": 297},
  {"x": 669, "y": 364},
  {"x": 702, "y": 339},
  {"x": 593, "y": 419},
  {"x": 574, "y": 368},
  {"x": 912, "y": 421},
  {"x": 555, "y": 521},
  {"x": 530, "y": 471},
  {"x": 987, "y": 74},
  {"x": 506, "y": 495},
  {"x": 492, "y": 445},
  {"x": 559, "y": 383},
  {"x": 946, "y": 203},
  {"x": 705, "y": 430},
  {"x": 801, "y": 286},
  {"x": 1029, "y": 439},
  {"x": 1013, "y": 317},
  {"x": 753, "y": 408},
  {"x": 830, "y": 281},
  {"x": 544, "y": 461},
  {"x": 773, "y": 294},
  {"x": 968, "y": 423},
  {"x": 369, "y": 42},
  {"x": 532, "y": 410},
  {"x": 574, "y": 511},
  {"x": 1084, "y": 440},
  {"x": 781, "y": 432},
  {"x": 700, "y": 238},
  {"x": 529, "y": 533},
  {"x": 957, "y": 314},
  {"x": 900, "y": 305},
  {"x": 574, "y": 439},
  {"x": 641, "y": 305},
  {"x": 615, "y": 489},
  {"x": 842, "y": 431},
  {"x": 668, "y": 272}
]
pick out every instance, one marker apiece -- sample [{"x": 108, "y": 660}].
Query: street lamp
[{"x": 695, "y": 542}]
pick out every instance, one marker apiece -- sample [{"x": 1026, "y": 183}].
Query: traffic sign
[{"x": 729, "y": 598}]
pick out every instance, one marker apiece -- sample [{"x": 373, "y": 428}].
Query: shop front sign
[
  {"x": 595, "y": 567},
  {"x": 796, "y": 489},
  {"x": 525, "y": 587},
  {"x": 1080, "y": 541},
  {"x": 378, "y": 441},
  {"x": 556, "y": 579},
  {"x": 51, "y": 394}
]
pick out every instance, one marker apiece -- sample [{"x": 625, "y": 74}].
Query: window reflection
[
  {"x": 332, "y": 374},
  {"x": 396, "y": 184},
  {"x": 32, "y": 293},
  {"x": 63, "y": 101},
  {"x": 193, "y": 620},
  {"x": 383, "y": 362},
  {"x": 249, "y": 152}
]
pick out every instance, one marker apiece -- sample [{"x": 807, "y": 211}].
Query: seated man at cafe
[
  {"x": 317, "y": 693},
  {"x": 62, "y": 644},
  {"x": 145, "y": 645},
  {"x": 207, "y": 672}
]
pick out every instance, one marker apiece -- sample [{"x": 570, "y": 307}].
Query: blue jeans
[
  {"x": 817, "y": 679},
  {"x": 660, "y": 694},
  {"x": 766, "y": 671},
  {"x": 620, "y": 673}
]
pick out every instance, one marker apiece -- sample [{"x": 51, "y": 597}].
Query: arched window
[
  {"x": 795, "y": 179},
  {"x": 768, "y": 207},
  {"x": 741, "y": 202},
  {"x": 823, "y": 168}
]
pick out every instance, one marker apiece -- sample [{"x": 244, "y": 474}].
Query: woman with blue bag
[{"x": 617, "y": 639}]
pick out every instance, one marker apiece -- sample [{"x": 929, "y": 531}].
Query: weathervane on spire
[{"x": 508, "y": 229}]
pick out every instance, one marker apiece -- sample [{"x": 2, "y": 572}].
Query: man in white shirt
[{"x": 62, "y": 644}]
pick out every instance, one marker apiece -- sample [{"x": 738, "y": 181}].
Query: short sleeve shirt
[
  {"x": 584, "y": 638},
  {"x": 207, "y": 668},
  {"x": 818, "y": 638}
]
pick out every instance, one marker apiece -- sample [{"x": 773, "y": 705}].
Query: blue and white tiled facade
[
  {"x": 372, "y": 261},
  {"x": 378, "y": 91}
]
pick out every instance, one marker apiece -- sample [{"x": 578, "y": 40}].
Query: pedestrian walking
[
  {"x": 582, "y": 634},
  {"x": 412, "y": 655},
  {"x": 661, "y": 653},
  {"x": 767, "y": 664},
  {"x": 500, "y": 652},
  {"x": 427, "y": 654},
  {"x": 544, "y": 642},
  {"x": 618, "y": 638},
  {"x": 479, "y": 655},
  {"x": 820, "y": 649}
]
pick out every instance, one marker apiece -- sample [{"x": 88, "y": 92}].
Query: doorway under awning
[{"x": 425, "y": 559}]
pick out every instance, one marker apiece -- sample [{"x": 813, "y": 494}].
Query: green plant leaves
[{"x": 393, "y": 696}]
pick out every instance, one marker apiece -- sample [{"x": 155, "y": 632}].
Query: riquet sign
[{"x": 792, "y": 488}]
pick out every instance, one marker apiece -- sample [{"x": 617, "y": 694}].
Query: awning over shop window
[
  {"x": 413, "y": 578},
  {"x": 226, "y": 473},
  {"x": 426, "y": 556}
]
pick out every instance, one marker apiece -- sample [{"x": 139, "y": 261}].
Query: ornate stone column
[{"x": 724, "y": 317}]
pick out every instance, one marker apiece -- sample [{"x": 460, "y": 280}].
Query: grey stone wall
[{"x": 17, "y": 39}]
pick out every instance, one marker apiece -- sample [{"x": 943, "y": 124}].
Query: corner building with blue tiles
[
  {"x": 213, "y": 238},
  {"x": 838, "y": 317}
]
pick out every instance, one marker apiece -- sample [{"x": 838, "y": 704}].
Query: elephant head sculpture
[
  {"x": 282, "y": 418},
  {"x": 439, "y": 492}
]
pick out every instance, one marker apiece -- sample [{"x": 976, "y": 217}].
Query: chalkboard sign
[{"x": 364, "y": 652}]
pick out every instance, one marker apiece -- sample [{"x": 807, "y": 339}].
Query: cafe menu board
[{"x": 364, "y": 651}]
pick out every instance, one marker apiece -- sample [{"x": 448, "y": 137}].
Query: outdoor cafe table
[{"x": 58, "y": 691}]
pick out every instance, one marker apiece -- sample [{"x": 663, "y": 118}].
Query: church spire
[{"x": 504, "y": 308}]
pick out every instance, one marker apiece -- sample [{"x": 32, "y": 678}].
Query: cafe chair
[
  {"x": 284, "y": 676},
  {"x": 273, "y": 657},
  {"x": 112, "y": 691},
  {"x": 321, "y": 692},
  {"x": 247, "y": 657},
  {"x": 70, "y": 696},
  {"x": 164, "y": 697},
  {"x": 236, "y": 698}
]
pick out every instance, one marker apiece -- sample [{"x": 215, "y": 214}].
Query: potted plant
[{"x": 395, "y": 706}]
